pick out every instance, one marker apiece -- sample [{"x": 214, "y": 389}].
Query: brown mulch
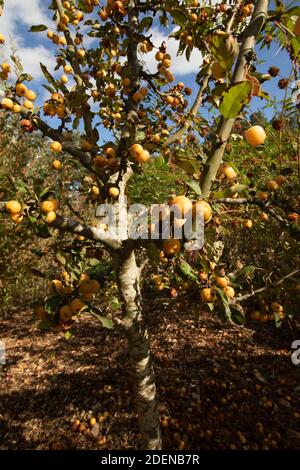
[{"x": 219, "y": 386}]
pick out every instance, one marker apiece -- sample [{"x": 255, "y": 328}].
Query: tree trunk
[
  {"x": 225, "y": 126},
  {"x": 127, "y": 274}
]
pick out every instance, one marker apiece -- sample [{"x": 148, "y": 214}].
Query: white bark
[{"x": 127, "y": 273}]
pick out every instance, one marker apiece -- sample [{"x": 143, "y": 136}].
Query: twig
[
  {"x": 194, "y": 109},
  {"x": 273, "y": 284},
  {"x": 257, "y": 202}
]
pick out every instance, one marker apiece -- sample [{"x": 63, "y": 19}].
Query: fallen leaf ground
[{"x": 219, "y": 386}]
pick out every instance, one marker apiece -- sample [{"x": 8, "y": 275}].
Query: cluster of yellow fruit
[
  {"x": 183, "y": 207},
  {"x": 164, "y": 64},
  {"x": 208, "y": 295},
  {"x": 14, "y": 208},
  {"x": 22, "y": 91},
  {"x": 139, "y": 153},
  {"x": 268, "y": 312},
  {"x": 159, "y": 281},
  {"x": 87, "y": 290},
  {"x": 112, "y": 7},
  {"x": 55, "y": 106},
  {"x": 273, "y": 185},
  {"x": 49, "y": 208},
  {"x": 145, "y": 47},
  {"x": 56, "y": 39}
]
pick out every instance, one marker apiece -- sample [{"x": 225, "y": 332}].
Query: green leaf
[
  {"x": 179, "y": 17},
  {"x": 68, "y": 334},
  {"x": 234, "y": 99},
  {"x": 38, "y": 28},
  {"x": 195, "y": 186},
  {"x": 237, "y": 314},
  {"x": 48, "y": 76},
  {"x": 146, "y": 24},
  {"x": 184, "y": 269},
  {"x": 190, "y": 165},
  {"x": 225, "y": 302},
  {"x": 61, "y": 258},
  {"x": 52, "y": 303},
  {"x": 223, "y": 49},
  {"x": 24, "y": 77},
  {"x": 45, "y": 191}
]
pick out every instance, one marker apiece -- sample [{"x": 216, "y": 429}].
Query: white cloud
[
  {"x": 23, "y": 14},
  {"x": 180, "y": 66}
]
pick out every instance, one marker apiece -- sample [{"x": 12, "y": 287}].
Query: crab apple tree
[{"x": 109, "y": 116}]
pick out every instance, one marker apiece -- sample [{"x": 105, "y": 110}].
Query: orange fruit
[
  {"x": 280, "y": 179},
  {"x": 222, "y": 281},
  {"x": 30, "y": 95},
  {"x": 255, "y": 136},
  {"x": 136, "y": 149},
  {"x": 247, "y": 223},
  {"x": 17, "y": 108},
  {"x": 171, "y": 246},
  {"x": 229, "y": 291},
  {"x": 182, "y": 205},
  {"x": 56, "y": 285},
  {"x": 203, "y": 207},
  {"x": 56, "y": 146},
  {"x": 84, "y": 277},
  {"x": 94, "y": 286},
  {"x": 65, "y": 313},
  {"x": 272, "y": 185},
  {"x": 263, "y": 195},
  {"x": 143, "y": 157},
  {"x": 50, "y": 217},
  {"x": 263, "y": 217},
  {"x": 7, "y": 103},
  {"x": 68, "y": 69},
  {"x": 113, "y": 192},
  {"x": 21, "y": 89},
  {"x": 28, "y": 105},
  {"x": 13, "y": 207},
  {"x": 207, "y": 295},
  {"x": 57, "y": 165},
  {"x": 229, "y": 172},
  {"x": 48, "y": 206},
  {"x": 17, "y": 218},
  {"x": 77, "y": 305}
]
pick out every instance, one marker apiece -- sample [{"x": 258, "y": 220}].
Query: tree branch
[
  {"x": 262, "y": 289},
  {"x": 193, "y": 112},
  {"x": 67, "y": 146},
  {"x": 225, "y": 125},
  {"x": 233, "y": 15},
  {"x": 92, "y": 233},
  {"x": 87, "y": 115},
  {"x": 257, "y": 202}
]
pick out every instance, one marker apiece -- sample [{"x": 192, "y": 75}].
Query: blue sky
[{"x": 33, "y": 48}]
